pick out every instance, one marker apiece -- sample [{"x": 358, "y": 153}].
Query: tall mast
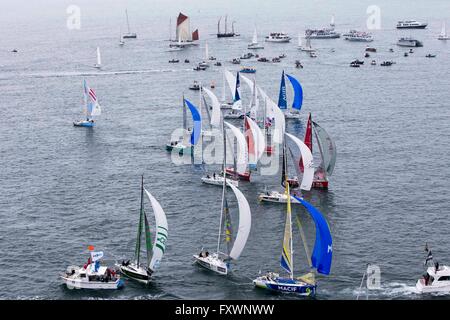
[
  {"x": 226, "y": 18},
  {"x": 224, "y": 186},
  {"x": 128, "y": 23},
  {"x": 141, "y": 213},
  {"x": 184, "y": 115},
  {"x": 288, "y": 211},
  {"x": 170, "y": 29}
]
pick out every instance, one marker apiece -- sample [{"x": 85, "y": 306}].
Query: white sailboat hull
[
  {"x": 213, "y": 263},
  {"x": 134, "y": 272},
  {"x": 218, "y": 181}
]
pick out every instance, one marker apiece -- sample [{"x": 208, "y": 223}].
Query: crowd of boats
[{"x": 248, "y": 132}]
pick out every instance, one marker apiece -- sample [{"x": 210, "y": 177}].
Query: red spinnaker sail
[
  {"x": 308, "y": 139},
  {"x": 250, "y": 139}
]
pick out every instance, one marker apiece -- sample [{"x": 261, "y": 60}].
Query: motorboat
[
  {"x": 195, "y": 86},
  {"x": 179, "y": 147},
  {"x": 234, "y": 114},
  {"x": 174, "y": 61},
  {"x": 411, "y": 24},
  {"x": 435, "y": 280},
  {"x": 92, "y": 275},
  {"x": 263, "y": 59},
  {"x": 386, "y": 63},
  {"x": 354, "y": 64},
  {"x": 218, "y": 64},
  {"x": 248, "y": 55},
  {"x": 373, "y": 63},
  {"x": 236, "y": 61},
  {"x": 366, "y": 55},
  {"x": 217, "y": 179},
  {"x": 326, "y": 33},
  {"x": 430, "y": 55},
  {"x": 354, "y": 35},
  {"x": 409, "y": 42},
  {"x": 278, "y": 37},
  {"x": 186, "y": 61},
  {"x": 248, "y": 70},
  {"x": 282, "y": 56},
  {"x": 357, "y": 61},
  {"x": 313, "y": 54},
  {"x": 276, "y": 60},
  {"x": 405, "y": 54},
  {"x": 298, "y": 64},
  {"x": 371, "y": 49}
]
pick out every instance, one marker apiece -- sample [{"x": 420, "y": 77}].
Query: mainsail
[
  {"x": 197, "y": 129},
  {"x": 183, "y": 29},
  {"x": 237, "y": 103},
  {"x": 231, "y": 80},
  {"x": 99, "y": 58},
  {"x": 273, "y": 111},
  {"x": 307, "y": 140},
  {"x": 257, "y": 137},
  {"x": 323, "y": 248},
  {"x": 242, "y": 152},
  {"x": 245, "y": 221},
  {"x": 255, "y": 37},
  {"x": 308, "y": 171},
  {"x": 216, "y": 112},
  {"x": 159, "y": 245}
]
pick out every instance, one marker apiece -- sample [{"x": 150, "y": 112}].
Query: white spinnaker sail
[
  {"x": 308, "y": 171},
  {"x": 216, "y": 113},
  {"x": 231, "y": 80},
  {"x": 99, "y": 58},
  {"x": 159, "y": 245},
  {"x": 327, "y": 147},
  {"x": 242, "y": 151},
  {"x": 248, "y": 82},
  {"x": 258, "y": 139},
  {"x": 255, "y": 37},
  {"x": 443, "y": 30},
  {"x": 245, "y": 222},
  {"x": 280, "y": 122}
]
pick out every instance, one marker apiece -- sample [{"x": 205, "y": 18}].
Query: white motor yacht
[{"x": 278, "y": 37}]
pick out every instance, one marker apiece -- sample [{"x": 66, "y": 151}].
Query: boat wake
[
  {"x": 391, "y": 290},
  {"x": 99, "y": 73}
]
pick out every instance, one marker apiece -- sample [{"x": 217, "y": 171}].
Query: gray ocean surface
[{"x": 63, "y": 188}]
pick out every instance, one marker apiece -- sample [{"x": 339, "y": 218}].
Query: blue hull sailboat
[
  {"x": 91, "y": 107},
  {"x": 320, "y": 258}
]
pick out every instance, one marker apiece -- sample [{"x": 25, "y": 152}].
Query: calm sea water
[{"x": 62, "y": 188}]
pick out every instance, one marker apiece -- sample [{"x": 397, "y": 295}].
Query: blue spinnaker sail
[
  {"x": 237, "y": 97},
  {"x": 197, "y": 119},
  {"x": 323, "y": 247},
  {"x": 298, "y": 93},
  {"x": 282, "y": 100}
]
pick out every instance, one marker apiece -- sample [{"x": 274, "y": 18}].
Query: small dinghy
[
  {"x": 298, "y": 64},
  {"x": 236, "y": 61},
  {"x": 194, "y": 86},
  {"x": 430, "y": 55},
  {"x": 92, "y": 275},
  {"x": 217, "y": 180},
  {"x": 91, "y": 107},
  {"x": 136, "y": 270},
  {"x": 174, "y": 61},
  {"x": 373, "y": 63},
  {"x": 436, "y": 278}
]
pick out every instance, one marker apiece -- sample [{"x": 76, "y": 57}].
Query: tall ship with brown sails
[{"x": 183, "y": 35}]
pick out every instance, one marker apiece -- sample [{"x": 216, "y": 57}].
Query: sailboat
[
  {"x": 139, "y": 271},
  {"x": 294, "y": 113},
  {"x": 320, "y": 259},
  {"x": 226, "y": 34},
  {"x": 183, "y": 35},
  {"x": 443, "y": 35},
  {"x": 327, "y": 149},
  {"x": 332, "y": 24},
  {"x": 91, "y": 107},
  {"x": 236, "y": 108},
  {"x": 186, "y": 145},
  {"x": 220, "y": 262},
  {"x": 307, "y": 47},
  {"x": 129, "y": 35},
  {"x": 255, "y": 44},
  {"x": 98, "y": 65}
]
